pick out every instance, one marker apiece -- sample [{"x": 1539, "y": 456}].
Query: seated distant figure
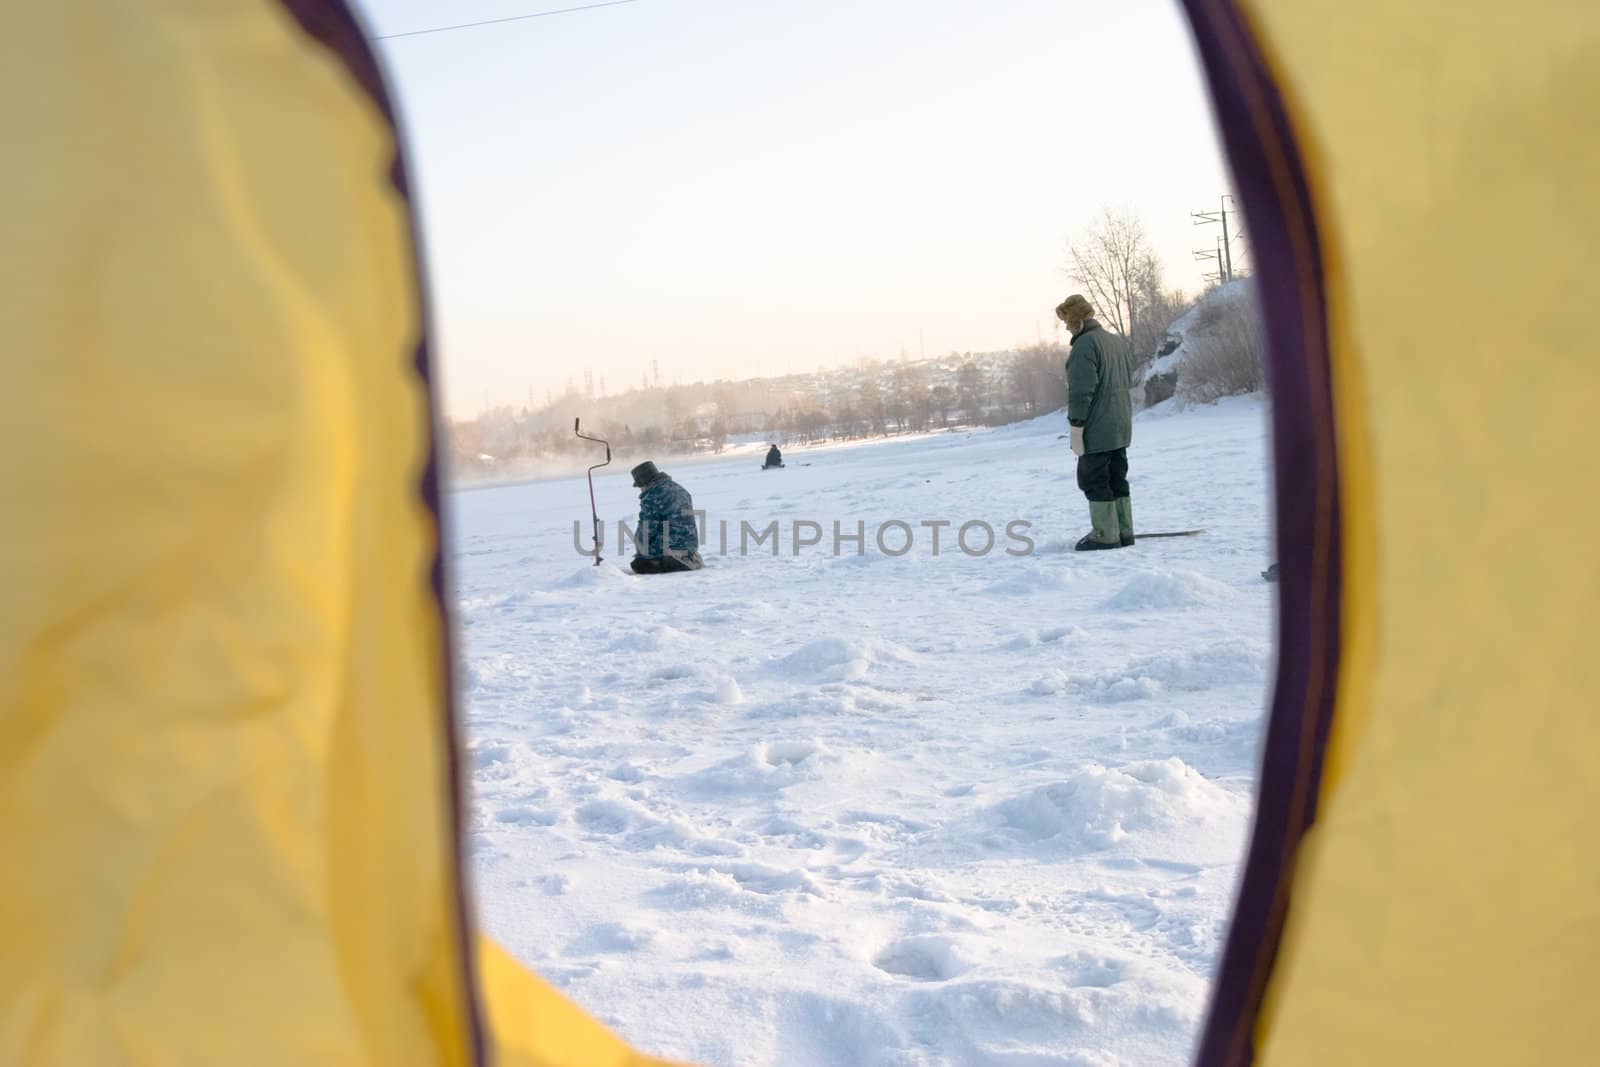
[
  {"x": 774, "y": 457},
  {"x": 669, "y": 540}
]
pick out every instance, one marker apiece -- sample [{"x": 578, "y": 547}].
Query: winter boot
[
  {"x": 1103, "y": 513},
  {"x": 1125, "y": 520}
]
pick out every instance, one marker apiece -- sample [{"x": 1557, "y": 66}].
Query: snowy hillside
[
  {"x": 1185, "y": 334},
  {"x": 860, "y": 809}
]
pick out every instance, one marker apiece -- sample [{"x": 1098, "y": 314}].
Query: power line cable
[{"x": 492, "y": 22}]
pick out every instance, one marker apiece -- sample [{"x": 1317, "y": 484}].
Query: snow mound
[
  {"x": 1034, "y": 638},
  {"x": 1011, "y": 1021},
  {"x": 1226, "y": 663},
  {"x": 1117, "y": 689},
  {"x": 488, "y": 754},
  {"x": 631, "y": 827},
  {"x": 649, "y": 639},
  {"x": 840, "y": 659},
  {"x": 760, "y": 879},
  {"x": 1168, "y": 590},
  {"x": 590, "y": 577},
  {"x": 701, "y": 889},
  {"x": 1049, "y": 683},
  {"x": 766, "y": 767},
  {"x": 1237, "y": 737},
  {"x": 1101, "y": 807},
  {"x": 1030, "y": 582}
]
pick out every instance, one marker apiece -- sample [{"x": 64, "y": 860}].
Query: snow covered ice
[{"x": 859, "y": 809}]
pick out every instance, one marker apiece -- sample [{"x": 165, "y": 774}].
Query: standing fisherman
[{"x": 1100, "y": 409}]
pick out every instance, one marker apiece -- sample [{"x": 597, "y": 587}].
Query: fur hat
[
  {"x": 1073, "y": 311},
  {"x": 644, "y": 474}
]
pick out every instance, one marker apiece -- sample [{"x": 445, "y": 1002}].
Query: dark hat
[{"x": 644, "y": 474}]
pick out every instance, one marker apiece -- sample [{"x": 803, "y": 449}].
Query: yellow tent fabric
[
  {"x": 227, "y": 774},
  {"x": 1442, "y": 902},
  {"x": 228, "y": 787}
]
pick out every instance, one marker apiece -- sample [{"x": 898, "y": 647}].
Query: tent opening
[{"x": 896, "y": 741}]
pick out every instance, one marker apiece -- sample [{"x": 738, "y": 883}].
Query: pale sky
[{"x": 739, "y": 188}]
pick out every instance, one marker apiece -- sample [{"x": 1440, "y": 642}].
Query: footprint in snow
[
  {"x": 611, "y": 937},
  {"x": 1087, "y": 970},
  {"x": 605, "y": 817},
  {"x": 525, "y": 816},
  {"x": 925, "y": 959}
]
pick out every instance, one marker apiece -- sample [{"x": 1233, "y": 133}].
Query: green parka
[{"x": 1099, "y": 375}]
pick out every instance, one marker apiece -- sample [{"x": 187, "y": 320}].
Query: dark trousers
[
  {"x": 662, "y": 565},
  {"x": 1103, "y": 476}
]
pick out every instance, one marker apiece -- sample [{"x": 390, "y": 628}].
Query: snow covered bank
[
  {"x": 1213, "y": 350},
  {"x": 820, "y": 809}
]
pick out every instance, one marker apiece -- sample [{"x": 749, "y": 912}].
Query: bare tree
[
  {"x": 1036, "y": 381},
  {"x": 847, "y": 422},
  {"x": 910, "y": 396},
  {"x": 972, "y": 392},
  {"x": 1118, "y": 270},
  {"x": 873, "y": 407}
]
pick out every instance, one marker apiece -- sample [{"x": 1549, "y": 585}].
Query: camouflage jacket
[{"x": 666, "y": 521}]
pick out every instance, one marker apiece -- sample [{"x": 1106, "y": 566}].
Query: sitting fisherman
[{"x": 669, "y": 540}]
